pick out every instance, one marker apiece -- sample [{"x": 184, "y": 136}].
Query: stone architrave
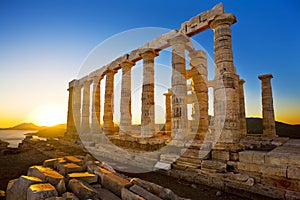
[
  {"x": 168, "y": 123},
  {"x": 267, "y": 106},
  {"x": 148, "y": 109},
  {"x": 96, "y": 104},
  {"x": 226, "y": 90},
  {"x": 126, "y": 116},
  {"x": 199, "y": 72},
  {"x": 85, "y": 122},
  {"x": 71, "y": 129},
  {"x": 179, "y": 87},
  {"x": 243, "y": 124},
  {"x": 108, "y": 124},
  {"x": 77, "y": 106}
]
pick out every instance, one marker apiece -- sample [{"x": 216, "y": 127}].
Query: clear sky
[{"x": 44, "y": 43}]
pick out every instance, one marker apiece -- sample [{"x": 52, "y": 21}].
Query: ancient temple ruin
[{"x": 216, "y": 152}]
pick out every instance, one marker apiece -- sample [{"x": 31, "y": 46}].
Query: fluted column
[
  {"x": 108, "y": 124},
  {"x": 179, "y": 87},
  {"x": 148, "y": 109},
  {"x": 96, "y": 104},
  {"x": 226, "y": 90},
  {"x": 199, "y": 72},
  {"x": 71, "y": 129},
  {"x": 77, "y": 106},
  {"x": 125, "y": 107},
  {"x": 85, "y": 122},
  {"x": 243, "y": 124},
  {"x": 267, "y": 106},
  {"x": 168, "y": 123}
]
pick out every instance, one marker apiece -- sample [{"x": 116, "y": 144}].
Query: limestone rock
[
  {"x": 82, "y": 190},
  {"x": 115, "y": 183},
  {"x": 69, "y": 196},
  {"x": 46, "y": 174},
  {"x": 84, "y": 176},
  {"x": 128, "y": 195},
  {"x": 41, "y": 191},
  {"x": 143, "y": 193},
  {"x": 17, "y": 188},
  {"x": 158, "y": 190},
  {"x": 65, "y": 168}
]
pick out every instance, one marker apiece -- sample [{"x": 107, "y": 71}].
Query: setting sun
[{"x": 49, "y": 115}]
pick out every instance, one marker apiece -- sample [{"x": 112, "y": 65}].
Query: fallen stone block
[
  {"x": 46, "y": 174},
  {"x": 220, "y": 155},
  {"x": 69, "y": 196},
  {"x": 214, "y": 165},
  {"x": 143, "y": 193},
  {"x": 84, "y": 176},
  {"x": 155, "y": 189},
  {"x": 65, "y": 168},
  {"x": 82, "y": 190},
  {"x": 73, "y": 159},
  {"x": 59, "y": 161},
  {"x": 41, "y": 191},
  {"x": 249, "y": 167},
  {"x": 17, "y": 188},
  {"x": 50, "y": 163},
  {"x": 115, "y": 183},
  {"x": 128, "y": 195},
  {"x": 61, "y": 187},
  {"x": 101, "y": 173},
  {"x": 162, "y": 165},
  {"x": 246, "y": 156},
  {"x": 105, "y": 194}
]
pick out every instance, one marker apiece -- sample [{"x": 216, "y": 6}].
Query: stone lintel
[
  {"x": 265, "y": 76},
  {"x": 198, "y": 54},
  {"x": 179, "y": 39},
  {"x": 72, "y": 83},
  {"x": 200, "y": 22},
  {"x": 116, "y": 63},
  {"x": 83, "y": 80},
  {"x": 226, "y": 18}
]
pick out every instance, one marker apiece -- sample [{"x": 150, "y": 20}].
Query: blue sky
[{"x": 44, "y": 43}]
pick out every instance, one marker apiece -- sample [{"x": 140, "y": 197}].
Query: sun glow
[{"x": 49, "y": 115}]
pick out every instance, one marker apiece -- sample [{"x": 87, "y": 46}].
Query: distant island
[{"x": 25, "y": 126}]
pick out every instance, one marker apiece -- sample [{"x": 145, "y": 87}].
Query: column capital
[
  {"x": 72, "y": 83},
  {"x": 265, "y": 77},
  {"x": 109, "y": 71},
  {"x": 127, "y": 63},
  {"x": 226, "y": 18},
  {"x": 179, "y": 39},
  {"x": 242, "y": 81},
  {"x": 148, "y": 52},
  {"x": 197, "y": 54}
]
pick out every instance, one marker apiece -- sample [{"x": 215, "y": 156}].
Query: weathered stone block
[
  {"x": 61, "y": 187},
  {"x": 69, "y": 196},
  {"x": 115, "y": 183},
  {"x": 283, "y": 183},
  {"x": 128, "y": 195},
  {"x": 143, "y": 193},
  {"x": 220, "y": 155},
  {"x": 293, "y": 173},
  {"x": 17, "y": 188},
  {"x": 290, "y": 195},
  {"x": 273, "y": 171},
  {"x": 276, "y": 159},
  {"x": 84, "y": 176},
  {"x": 73, "y": 159},
  {"x": 41, "y": 191},
  {"x": 168, "y": 158},
  {"x": 246, "y": 156},
  {"x": 101, "y": 173},
  {"x": 82, "y": 190},
  {"x": 107, "y": 195},
  {"x": 162, "y": 165},
  {"x": 214, "y": 165},
  {"x": 249, "y": 167},
  {"x": 46, "y": 174},
  {"x": 49, "y": 162},
  {"x": 259, "y": 157},
  {"x": 68, "y": 168}
]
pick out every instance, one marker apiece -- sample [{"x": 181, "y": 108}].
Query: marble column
[
  {"x": 199, "y": 72},
  {"x": 96, "y": 104},
  {"x": 125, "y": 107},
  {"x": 226, "y": 90},
  {"x": 243, "y": 124},
  {"x": 85, "y": 122},
  {"x": 179, "y": 87},
  {"x": 168, "y": 123},
  {"x": 148, "y": 104},
  {"x": 71, "y": 129},
  {"x": 269, "y": 128},
  {"x": 77, "y": 106},
  {"x": 108, "y": 124}
]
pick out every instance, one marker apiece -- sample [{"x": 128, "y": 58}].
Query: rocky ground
[{"x": 14, "y": 165}]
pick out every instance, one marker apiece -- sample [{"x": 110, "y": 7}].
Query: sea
[{"x": 14, "y": 137}]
